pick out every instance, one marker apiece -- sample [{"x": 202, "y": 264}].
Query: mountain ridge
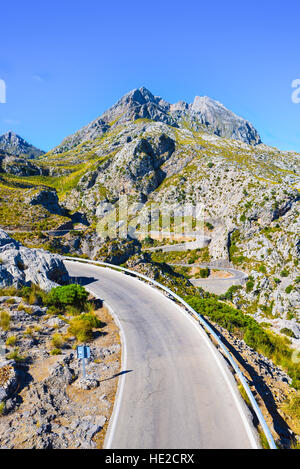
[
  {"x": 203, "y": 114},
  {"x": 15, "y": 145}
]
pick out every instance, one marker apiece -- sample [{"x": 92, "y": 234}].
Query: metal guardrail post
[{"x": 207, "y": 327}]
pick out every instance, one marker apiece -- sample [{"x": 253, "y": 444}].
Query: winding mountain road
[
  {"x": 175, "y": 390},
  {"x": 216, "y": 285}
]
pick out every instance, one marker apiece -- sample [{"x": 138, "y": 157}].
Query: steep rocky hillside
[
  {"x": 172, "y": 154},
  {"x": 175, "y": 155}
]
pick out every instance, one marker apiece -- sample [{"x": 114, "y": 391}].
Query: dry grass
[{"x": 109, "y": 382}]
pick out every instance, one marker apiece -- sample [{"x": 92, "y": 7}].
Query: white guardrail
[{"x": 207, "y": 327}]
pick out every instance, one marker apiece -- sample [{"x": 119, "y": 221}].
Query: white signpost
[{"x": 83, "y": 352}]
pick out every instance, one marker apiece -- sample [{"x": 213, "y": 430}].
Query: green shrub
[
  {"x": 258, "y": 339},
  {"x": 90, "y": 319},
  {"x": 272, "y": 346},
  {"x": 148, "y": 241},
  {"x": 9, "y": 291},
  {"x": 33, "y": 295},
  {"x": 289, "y": 288},
  {"x": 262, "y": 269},
  {"x": 2, "y": 407},
  {"x": 25, "y": 308},
  {"x": 73, "y": 310},
  {"x": 204, "y": 273},
  {"x": 29, "y": 331},
  {"x": 230, "y": 292},
  {"x": 249, "y": 286},
  {"x": 10, "y": 301},
  {"x": 68, "y": 295},
  {"x": 15, "y": 355},
  {"x": 11, "y": 341},
  {"x": 292, "y": 406},
  {"x": 288, "y": 332},
  {"x": 209, "y": 226},
  {"x": 263, "y": 439},
  {"x": 53, "y": 310},
  {"x": 82, "y": 330},
  {"x": 284, "y": 273},
  {"x": 221, "y": 313},
  {"x": 267, "y": 309},
  {"x": 265, "y": 324}
]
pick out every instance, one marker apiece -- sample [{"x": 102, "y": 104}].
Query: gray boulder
[
  {"x": 48, "y": 199},
  {"x": 21, "y": 266},
  {"x": 18, "y": 166}
]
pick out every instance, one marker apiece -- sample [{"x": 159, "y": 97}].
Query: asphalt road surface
[
  {"x": 174, "y": 392},
  {"x": 216, "y": 285}
]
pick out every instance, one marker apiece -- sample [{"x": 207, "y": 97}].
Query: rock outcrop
[
  {"x": 48, "y": 199},
  {"x": 21, "y": 266},
  {"x": 8, "y": 378},
  {"x": 204, "y": 113},
  {"x": 19, "y": 166},
  {"x": 220, "y": 120}
]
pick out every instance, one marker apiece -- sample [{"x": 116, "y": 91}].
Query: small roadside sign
[{"x": 83, "y": 352}]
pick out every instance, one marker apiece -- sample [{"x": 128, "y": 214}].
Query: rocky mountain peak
[
  {"x": 15, "y": 145},
  {"x": 203, "y": 113},
  {"x": 11, "y": 139},
  {"x": 222, "y": 121},
  {"x": 180, "y": 106},
  {"x": 138, "y": 95},
  {"x": 202, "y": 103}
]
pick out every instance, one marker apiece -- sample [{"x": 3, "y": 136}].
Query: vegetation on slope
[{"x": 254, "y": 335}]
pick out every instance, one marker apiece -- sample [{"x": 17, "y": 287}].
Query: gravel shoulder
[{"x": 47, "y": 408}]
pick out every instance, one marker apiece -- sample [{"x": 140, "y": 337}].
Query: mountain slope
[{"x": 175, "y": 156}]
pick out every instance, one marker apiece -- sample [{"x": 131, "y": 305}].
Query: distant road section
[
  {"x": 216, "y": 285},
  {"x": 173, "y": 393}
]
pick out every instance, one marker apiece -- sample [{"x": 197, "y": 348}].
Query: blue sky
[{"x": 65, "y": 62}]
